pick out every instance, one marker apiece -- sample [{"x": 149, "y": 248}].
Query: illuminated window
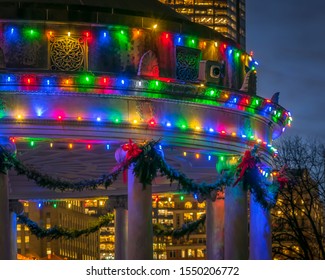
[
  {"x": 199, "y": 253},
  {"x": 162, "y": 212},
  {"x": 199, "y": 214},
  {"x": 191, "y": 253},
  {"x": 188, "y": 205},
  {"x": 101, "y": 203},
  {"x": 201, "y": 205},
  {"x": 188, "y": 217}
]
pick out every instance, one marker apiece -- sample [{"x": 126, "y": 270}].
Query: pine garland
[
  {"x": 2, "y": 104},
  {"x": 8, "y": 161},
  {"x": 263, "y": 192},
  {"x": 5, "y": 162},
  {"x": 57, "y": 232},
  {"x": 160, "y": 230},
  {"x": 148, "y": 163}
]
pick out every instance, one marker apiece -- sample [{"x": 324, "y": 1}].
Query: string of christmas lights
[{"x": 104, "y": 35}]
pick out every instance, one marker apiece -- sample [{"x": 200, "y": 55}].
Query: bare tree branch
[{"x": 298, "y": 217}]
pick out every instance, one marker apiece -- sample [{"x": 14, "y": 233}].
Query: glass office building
[{"x": 225, "y": 16}]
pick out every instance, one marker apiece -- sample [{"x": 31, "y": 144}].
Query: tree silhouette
[{"x": 298, "y": 217}]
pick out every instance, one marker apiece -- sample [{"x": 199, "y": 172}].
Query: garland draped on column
[
  {"x": 265, "y": 193},
  {"x": 148, "y": 163}
]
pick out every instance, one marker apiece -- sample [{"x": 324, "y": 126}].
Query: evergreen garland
[
  {"x": 263, "y": 192},
  {"x": 58, "y": 232},
  {"x": 148, "y": 163},
  {"x": 5, "y": 162},
  {"x": 162, "y": 230},
  {"x": 8, "y": 161},
  {"x": 2, "y": 104}
]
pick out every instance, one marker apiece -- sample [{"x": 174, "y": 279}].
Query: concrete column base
[
  {"x": 260, "y": 236},
  {"x": 5, "y": 252},
  {"x": 119, "y": 205},
  {"x": 140, "y": 233},
  {"x": 215, "y": 217},
  {"x": 236, "y": 223}
]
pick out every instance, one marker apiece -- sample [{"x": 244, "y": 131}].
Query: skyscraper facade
[{"x": 224, "y": 16}]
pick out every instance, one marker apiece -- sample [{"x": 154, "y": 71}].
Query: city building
[
  {"x": 68, "y": 214},
  {"x": 228, "y": 17},
  {"x": 81, "y": 81},
  {"x": 168, "y": 209},
  {"x": 177, "y": 210}
]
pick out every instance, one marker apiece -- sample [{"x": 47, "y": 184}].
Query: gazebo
[{"x": 78, "y": 79}]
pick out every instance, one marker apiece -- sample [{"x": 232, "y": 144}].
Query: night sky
[{"x": 288, "y": 41}]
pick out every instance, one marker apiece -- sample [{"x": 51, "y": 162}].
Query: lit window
[
  {"x": 188, "y": 205},
  {"x": 201, "y": 205}
]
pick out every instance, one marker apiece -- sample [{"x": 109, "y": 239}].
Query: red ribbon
[
  {"x": 248, "y": 161},
  {"x": 282, "y": 178},
  {"x": 132, "y": 151},
  {"x": 282, "y": 181}
]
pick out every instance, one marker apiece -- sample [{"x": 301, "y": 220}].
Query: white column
[
  {"x": 236, "y": 223},
  {"x": 15, "y": 208},
  {"x": 5, "y": 253},
  {"x": 140, "y": 233},
  {"x": 215, "y": 217},
  {"x": 260, "y": 236},
  {"x": 119, "y": 204}
]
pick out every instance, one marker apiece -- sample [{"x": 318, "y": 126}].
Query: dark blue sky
[{"x": 288, "y": 40}]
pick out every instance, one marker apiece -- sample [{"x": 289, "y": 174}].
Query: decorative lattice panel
[
  {"x": 68, "y": 53},
  {"x": 187, "y": 63}
]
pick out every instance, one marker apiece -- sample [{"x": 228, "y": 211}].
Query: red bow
[
  {"x": 248, "y": 161},
  {"x": 282, "y": 178},
  {"x": 282, "y": 181},
  {"x": 132, "y": 150}
]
